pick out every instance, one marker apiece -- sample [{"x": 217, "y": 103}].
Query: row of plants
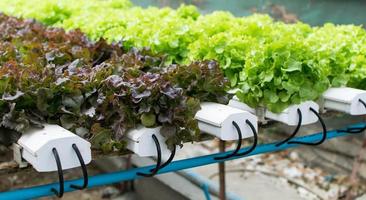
[
  {"x": 95, "y": 89},
  {"x": 268, "y": 63}
]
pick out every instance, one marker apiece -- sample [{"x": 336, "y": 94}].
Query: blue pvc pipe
[
  {"x": 206, "y": 191},
  {"x": 115, "y": 177},
  {"x": 207, "y": 185}
]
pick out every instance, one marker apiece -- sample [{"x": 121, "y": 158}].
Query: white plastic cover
[
  {"x": 37, "y": 144},
  {"x": 346, "y": 100},
  {"x": 288, "y": 116},
  {"x": 216, "y": 119}
]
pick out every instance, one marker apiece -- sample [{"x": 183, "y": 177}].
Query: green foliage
[
  {"x": 268, "y": 63},
  {"x": 54, "y": 11},
  {"x": 341, "y": 51}
]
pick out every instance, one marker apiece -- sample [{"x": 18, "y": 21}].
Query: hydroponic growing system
[{"x": 108, "y": 76}]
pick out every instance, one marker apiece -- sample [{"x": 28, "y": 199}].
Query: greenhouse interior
[{"x": 183, "y": 99}]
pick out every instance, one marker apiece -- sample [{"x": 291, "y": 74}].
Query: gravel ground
[{"x": 284, "y": 175}]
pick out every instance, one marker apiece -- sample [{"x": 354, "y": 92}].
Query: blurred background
[{"x": 313, "y": 12}]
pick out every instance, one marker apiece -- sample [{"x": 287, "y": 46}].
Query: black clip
[
  {"x": 295, "y": 131},
  {"x": 362, "y": 102},
  {"x": 158, "y": 163},
  {"x": 355, "y": 130},
  {"x": 324, "y": 136},
  {"x": 238, "y": 146},
  {"x": 170, "y": 159},
  {"x": 83, "y": 167},
  {"x": 59, "y": 193},
  {"x": 159, "y": 166},
  {"x": 255, "y": 134}
]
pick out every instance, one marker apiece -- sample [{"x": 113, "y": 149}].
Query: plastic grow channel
[{"x": 115, "y": 177}]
